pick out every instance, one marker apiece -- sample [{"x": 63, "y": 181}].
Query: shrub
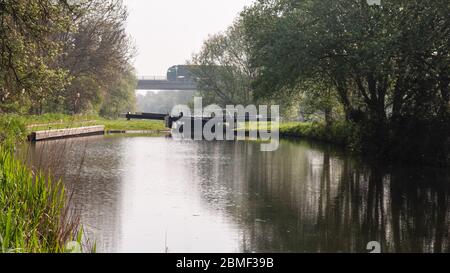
[
  {"x": 12, "y": 130},
  {"x": 339, "y": 132}
]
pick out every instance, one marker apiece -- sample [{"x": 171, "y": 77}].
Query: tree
[
  {"x": 29, "y": 51},
  {"x": 98, "y": 52},
  {"x": 386, "y": 64},
  {"x": 163, "y": 102},
  {"x": 62, "y": 56},
  {"x": 121, "y": 98},
  {"x": 319, "y": 98},
  {"x": 223, "y": 70}
]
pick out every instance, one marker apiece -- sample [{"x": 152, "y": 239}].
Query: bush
[
  {"x": 340, "y": 132},
  {"x": 12, "y": 130}
]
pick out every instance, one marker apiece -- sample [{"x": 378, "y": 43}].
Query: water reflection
[
  {"x": 140, "y": 194},
  {"x": 92, "y": 174}
]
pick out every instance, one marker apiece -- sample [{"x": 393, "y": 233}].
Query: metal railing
[
  {"x": 152, "y": 78},
  {"x": 164, "y": 78}
]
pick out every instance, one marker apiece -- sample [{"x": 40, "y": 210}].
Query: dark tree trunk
[{"x": 328, "y": 117}]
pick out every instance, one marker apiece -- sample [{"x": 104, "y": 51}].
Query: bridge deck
[{"x": 146, "y": 84}]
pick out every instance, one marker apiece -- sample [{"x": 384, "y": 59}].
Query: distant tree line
[
  {"x": 164, "y": 101},
  {"x": 65, "y": 56},
  {"x": 384, "y": 70}
]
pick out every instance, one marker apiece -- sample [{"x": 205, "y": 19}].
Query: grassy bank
[
  {"x": 12, "y": 130},
  {"x": 133, "y": 125},
  {"x": 60, "y": 121},
  {"x": 34, "y": 214},
  {"x": 338, "y": 133}
]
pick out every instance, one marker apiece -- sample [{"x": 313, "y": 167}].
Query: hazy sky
[{"x": 167, "y": 32}]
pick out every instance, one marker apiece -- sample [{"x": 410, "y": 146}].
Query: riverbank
[
  {"x": 338, "y": 133},
  {"x": 34, "y": 210},
  {"x": 34, "y": 214},
  {"x": 60, "y": 121}
]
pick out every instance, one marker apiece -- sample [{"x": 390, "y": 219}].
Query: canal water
[{"x": 156, "y": 194}]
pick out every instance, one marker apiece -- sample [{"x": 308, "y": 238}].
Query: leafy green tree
[
  {"x": 163, "y": 102},
  {"x": 319, "y": 99},
  {"x": 121, "y": 98},
  {"x": 28, "y": 51},
  {"x": 222, "y": 68},
  {"x": 98, "y": 54},
  {"x": 388, "y": 65},
  {"x": 62, "y": 56}
]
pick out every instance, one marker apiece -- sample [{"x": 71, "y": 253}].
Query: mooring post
[{"x": 168, "y": 121}]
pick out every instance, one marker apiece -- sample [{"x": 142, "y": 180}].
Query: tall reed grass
[{"x": 34, "y": 212}]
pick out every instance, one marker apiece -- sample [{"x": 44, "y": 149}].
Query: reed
[{"x": 34, "y": 211}]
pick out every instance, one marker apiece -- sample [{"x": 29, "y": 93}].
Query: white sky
[{"x": 168, "y": 32}]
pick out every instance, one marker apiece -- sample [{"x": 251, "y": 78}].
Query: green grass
[
  {"x": 339, "y": 133},
  {"x": 254, "y": 126},
  {"x": 34, "y": 212},
  {"x": 54, "y": 118},
  {"x": 136, "y": 125},
  {"x": 12, "y": 130},
  {"x": 60, "y": 121},
  {"x": 34, "y": 215}
]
